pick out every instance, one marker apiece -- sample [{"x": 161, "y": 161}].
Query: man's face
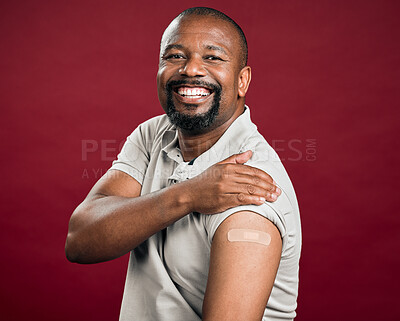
[{"x": 198, "y": 72}]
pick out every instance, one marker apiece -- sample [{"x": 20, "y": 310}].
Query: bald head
[{"x": 204, "y": 11}]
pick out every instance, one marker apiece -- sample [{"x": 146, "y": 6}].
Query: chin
[{"x": 192, "y": 121}]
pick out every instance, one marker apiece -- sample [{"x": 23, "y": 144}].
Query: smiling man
[{"x": 211, "y": 235}]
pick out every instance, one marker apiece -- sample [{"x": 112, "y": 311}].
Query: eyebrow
[
  {"x": 173, "y": 46},
  {"x": 216, "y": 48},
  {"x": 209, "y": 47}
]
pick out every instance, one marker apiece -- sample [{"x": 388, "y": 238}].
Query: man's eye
[
  {"x": 213, "y": 58},
  {"x": 174, "y": 56}
]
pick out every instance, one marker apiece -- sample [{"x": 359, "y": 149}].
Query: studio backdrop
[{"x": 77, "y": 77}]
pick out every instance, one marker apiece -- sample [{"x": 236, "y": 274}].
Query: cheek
[
  {"x": 161, "y": 81},
  {"x": 163, "y": 75},
  {"x": 229, "y": 85},
  {"x": 227, "y": 77},
  {"x": 160, "y": 76}
]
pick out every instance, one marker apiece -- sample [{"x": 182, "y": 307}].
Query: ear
[{"x": 244, "y": 81}]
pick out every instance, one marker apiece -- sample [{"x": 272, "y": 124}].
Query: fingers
[
  {"x": 238, "y": 158},
  {"x": 277, "y": 188},
  {"x": 250, "y": 194},
  {"x": 245, "y": 199},
  {"x": 270, "y": 194},
  {"x": 251, "y": 181},
  {"x": 266, "y": 187},
  {"x": 257, "y": 174},
  {"x": 243, "y": 157}
]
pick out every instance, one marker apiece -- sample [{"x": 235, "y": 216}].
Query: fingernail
[
  {"x": 278, "y": 190},
  {"x": 274, "y": 197},
  {"x": 262, "y": 199}
]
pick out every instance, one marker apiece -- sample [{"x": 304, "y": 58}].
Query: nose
[{"x": 193, "y": 67}]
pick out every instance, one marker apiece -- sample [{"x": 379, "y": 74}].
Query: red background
[{"x": 325, "y": 83}]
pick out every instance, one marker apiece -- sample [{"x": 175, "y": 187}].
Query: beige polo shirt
[{"x": 167, "y": 274}]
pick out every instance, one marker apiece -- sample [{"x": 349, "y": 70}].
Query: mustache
[{"x": 196, "y": 82}]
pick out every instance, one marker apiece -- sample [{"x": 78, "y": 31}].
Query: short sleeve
[
  {"x": 135, "y": 154},
  {"x": 275, "y": 212}
]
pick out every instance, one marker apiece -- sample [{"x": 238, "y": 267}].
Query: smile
[
  {"x": 193, "y": 91},
  {"x": 192, "y": 94}
]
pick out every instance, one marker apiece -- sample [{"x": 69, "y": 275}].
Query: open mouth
[{"x": 192, "y": 94}]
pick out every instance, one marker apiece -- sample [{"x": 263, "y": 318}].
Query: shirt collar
[
  {"x": 169, "y": 140},
  {"x": 229, "y": 143}
]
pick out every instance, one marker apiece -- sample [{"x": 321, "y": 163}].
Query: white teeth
[{"x": 195, "y": 92}]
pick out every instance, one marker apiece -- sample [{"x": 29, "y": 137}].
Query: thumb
[{"x": 238, "y": 158}]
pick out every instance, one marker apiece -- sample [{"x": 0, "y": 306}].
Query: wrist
[{"x": 184, "y": 197}]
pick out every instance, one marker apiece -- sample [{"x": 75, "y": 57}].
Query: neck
[{"x": 194, "y": 144}]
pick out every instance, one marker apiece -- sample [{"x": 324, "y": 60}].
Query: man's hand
[{"x": 229, "y": 183}]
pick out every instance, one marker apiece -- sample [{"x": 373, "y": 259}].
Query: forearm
[{"x": 106, "y": 227}]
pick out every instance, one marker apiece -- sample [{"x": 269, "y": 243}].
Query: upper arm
[
  {"x": 112, "y": 183},
  {"x": 241, "y": 274},
  {"x": 115, "y": 183}
]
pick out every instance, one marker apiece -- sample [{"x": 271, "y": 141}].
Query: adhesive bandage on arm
[{"x": 247, "y": 235}]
